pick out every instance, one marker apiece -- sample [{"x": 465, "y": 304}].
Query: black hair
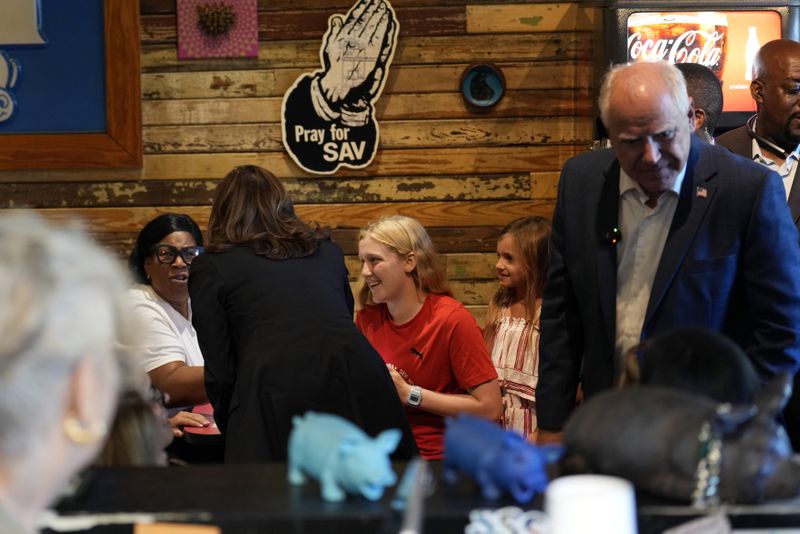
[
  {"x": 251, "y": 207},
  {"x": 155, "y": 231},
  {"x": 705, "y": 89}
]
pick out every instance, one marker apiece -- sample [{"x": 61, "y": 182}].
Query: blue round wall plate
[{"x": 482, "y": 86}]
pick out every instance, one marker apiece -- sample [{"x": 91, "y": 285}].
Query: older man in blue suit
[{"x": 661, "y": 230}]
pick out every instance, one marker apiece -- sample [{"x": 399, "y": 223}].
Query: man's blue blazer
[{"x": 731, "y": 263}]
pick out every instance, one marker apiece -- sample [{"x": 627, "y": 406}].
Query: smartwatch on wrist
[{"x": 415, "y": 396}]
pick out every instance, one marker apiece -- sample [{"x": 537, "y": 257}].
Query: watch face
[{"x": 415, "y": 396}]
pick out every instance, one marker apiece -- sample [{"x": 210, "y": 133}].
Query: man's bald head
[
  {"x": 769, "y": 58},
  {"x": 776, "y": 91}
]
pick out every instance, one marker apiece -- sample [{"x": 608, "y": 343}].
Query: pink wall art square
[{"x": 217, "y": 28}]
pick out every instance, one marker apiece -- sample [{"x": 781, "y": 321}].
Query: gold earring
[{"x": 82, "y": 433}]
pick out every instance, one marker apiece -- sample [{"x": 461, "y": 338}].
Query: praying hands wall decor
[{"x": 328, "y": 115}]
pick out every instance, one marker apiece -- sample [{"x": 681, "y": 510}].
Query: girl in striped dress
[{"x": 512, "y": 326}]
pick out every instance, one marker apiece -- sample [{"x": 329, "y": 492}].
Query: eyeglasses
[{"x": 168, "y": 253}]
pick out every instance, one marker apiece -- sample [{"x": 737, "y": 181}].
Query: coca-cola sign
[
  {"x": 725, "y": 41},
  {"x": 678, "y": 38}
]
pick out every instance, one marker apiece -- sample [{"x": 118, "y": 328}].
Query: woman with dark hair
[
  {"x": 274, "y": 315},
  {"x": 160, "y": 261}
]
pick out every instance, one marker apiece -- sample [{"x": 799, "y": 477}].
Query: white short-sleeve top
[{"x": 168, "y": 336}]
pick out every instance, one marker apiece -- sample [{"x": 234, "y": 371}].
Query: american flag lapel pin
[{"x": 702, "y": 192}]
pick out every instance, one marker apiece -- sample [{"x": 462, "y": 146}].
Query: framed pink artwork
[{"x": 217, "y": 28}]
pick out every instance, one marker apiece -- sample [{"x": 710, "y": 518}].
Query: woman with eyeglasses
[
  {"x": 274, "y": 314},
  {"x": 160, "y": 261}
]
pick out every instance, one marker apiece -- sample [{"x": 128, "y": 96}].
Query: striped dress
[{"x": 515, "y": 354}]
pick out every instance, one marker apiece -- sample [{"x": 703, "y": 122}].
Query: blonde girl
[
  {"x": 430, "y": 342},
  {"x": 512, "y": 326}
]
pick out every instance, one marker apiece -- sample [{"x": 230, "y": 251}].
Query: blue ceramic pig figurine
[
  {"x": 341, "y": 456},
  {"x": 496, "y": 459}
]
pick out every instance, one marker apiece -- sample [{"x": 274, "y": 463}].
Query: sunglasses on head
[{"x": 168, "y": 253}]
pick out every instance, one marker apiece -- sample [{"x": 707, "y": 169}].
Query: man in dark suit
[
  {"x": 771, "y": 137},
  {"x": 661, "y": 230}
]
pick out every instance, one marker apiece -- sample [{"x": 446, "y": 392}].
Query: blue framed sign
[
  {"x": 70, "y": 82},
  {"x": 54, "y": 57}
]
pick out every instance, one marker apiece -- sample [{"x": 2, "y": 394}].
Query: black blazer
[
  {"x": 740, "y": 142},
  {"x": 278, "y": 339},
  {"x": 730, "y": 262}
]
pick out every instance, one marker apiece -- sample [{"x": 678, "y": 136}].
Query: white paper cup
[{"x": 596, "y": 504}]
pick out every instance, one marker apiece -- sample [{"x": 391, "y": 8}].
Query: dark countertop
[{"x": 258, "y": 498}]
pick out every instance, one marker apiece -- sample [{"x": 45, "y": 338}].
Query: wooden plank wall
[{"x": 463, "y": 175}]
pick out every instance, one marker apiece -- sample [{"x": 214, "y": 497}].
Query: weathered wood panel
[
  {"x": 68, "y": 175},
  {"x": 458, "y": 266},
  {"x": 302, "y": 191},
  {"x": 561, "y": 46},
  {"x": 474, "y": 292},
  {"x": 451, "y": 213},
  {"x": 404, "y": 79},
  {"x": 388, "y": 162},
  {"x": 472, "y": 276},
  {"x": 544, "y": 184},
  {"x": 404, "y": 134},
  {"x": 291, "y": 24},
  {"x": 414, "y": 21},
  {"x": 565, "y": 16},
  {"x": 168, "y": 6},
  {"x": 408, "y": 106},
  {"x": 27, "y": 183},
  {"x": 469, "y": 293},
  {"x": 469, "y": 266},
  {"x": 446, "y": 240},
  {"x": 427, "y": 20}
]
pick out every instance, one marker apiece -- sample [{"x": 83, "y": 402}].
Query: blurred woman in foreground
[
  {"x": 62, "y": 310},
  {"x": 274, "y": 314}
]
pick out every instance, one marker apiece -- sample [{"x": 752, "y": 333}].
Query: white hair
[
  {"x": 61, "y": 300},
  {"x": 673, "y": 81}
]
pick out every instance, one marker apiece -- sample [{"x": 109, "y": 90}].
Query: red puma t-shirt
[{"x": 440, "y": 349}]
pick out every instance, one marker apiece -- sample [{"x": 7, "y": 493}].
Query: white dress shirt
[
  {"x": 644, "y": 233},
  {"x": 787, "y": 171}
]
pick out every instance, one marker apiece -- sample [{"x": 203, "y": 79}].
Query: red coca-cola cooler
[{"x": 723, "y": 35}]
